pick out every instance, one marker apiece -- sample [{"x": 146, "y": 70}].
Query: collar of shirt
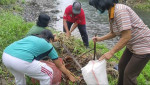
[{"x": 111, "y": 12}]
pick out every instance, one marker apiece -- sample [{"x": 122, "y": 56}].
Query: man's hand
[{"x": 68, "y": 34}]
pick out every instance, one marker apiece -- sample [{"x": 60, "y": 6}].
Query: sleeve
[
  {"x": 123, "y": 20},
  {"x": 66, "y": 13},
  {"x": 53, "y": 54}
]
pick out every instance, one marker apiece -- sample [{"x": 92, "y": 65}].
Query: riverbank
[
  {"x": 15, "y": 22},
  {"x": 33, "y": 8},
  {"x": 139, "y": 4}
]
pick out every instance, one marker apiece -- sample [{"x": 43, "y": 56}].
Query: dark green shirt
[{"x": 35, "y": 30}]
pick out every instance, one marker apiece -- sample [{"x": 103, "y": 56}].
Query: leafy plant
[
  {"x": 6, "y": 2},
  {"x": 13, "y": 28}
]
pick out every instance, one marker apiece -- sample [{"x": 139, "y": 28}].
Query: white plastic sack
[{"x": 94, "y": 73}]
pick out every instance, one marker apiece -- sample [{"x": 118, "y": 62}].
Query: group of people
[{"x": 22, "y": 57}]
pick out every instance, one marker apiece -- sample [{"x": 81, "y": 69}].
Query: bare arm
[
  {"x": 63, "y": 69},
  {"x": 110, "y": 35},
  {"x": 125, "y": 37},
  {"x": 74, "y": 26},
  {"x": 105, "y": 37},
  {"x": 66, "y": 27}
]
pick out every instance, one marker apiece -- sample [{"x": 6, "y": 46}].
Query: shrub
[
  {"x": 12, "y": 27},
  {"x": 6, "y": 2}
]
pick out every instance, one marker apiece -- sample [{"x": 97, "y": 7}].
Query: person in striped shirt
[{"x": 134, "y": 34}]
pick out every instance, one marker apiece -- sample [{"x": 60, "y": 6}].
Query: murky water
[{"x": 95, "y": 22}]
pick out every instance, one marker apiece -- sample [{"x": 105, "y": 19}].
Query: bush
[
  {"x": 12, "y": 27},
  {"x": 6, "y": 2}
]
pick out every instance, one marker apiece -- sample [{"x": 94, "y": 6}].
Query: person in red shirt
[{"x": 74, "y": 17}]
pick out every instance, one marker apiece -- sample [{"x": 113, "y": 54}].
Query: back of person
[
  {"x": 71, "y": 17},
  {"x": 41, "y": 24},
  {"x": 29, "y": 48},
  {"x": 35, "y": 30},
  {"x": 126, "y": 18}
]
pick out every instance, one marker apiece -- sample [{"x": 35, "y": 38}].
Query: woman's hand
[
  {"x": 72, "y": 78},
  {"x": 107, "y": 56},
  {"x": 62, "y": 68},
  {"x": 95, "y": 39},
  {"x": 55, "y": 38}
]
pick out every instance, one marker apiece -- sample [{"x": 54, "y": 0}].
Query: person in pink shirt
[{"x": 74, "y": 17}]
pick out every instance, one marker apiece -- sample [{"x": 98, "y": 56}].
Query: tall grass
[
  {"x": 12, "y": 28},
  {"x": 6, "y": 2}
]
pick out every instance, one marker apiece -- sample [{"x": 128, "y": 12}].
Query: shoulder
[
  {"x": 121, "y": 7},
  {"x": 69, "y": 7},
  {"x": 82, "y": 12}
]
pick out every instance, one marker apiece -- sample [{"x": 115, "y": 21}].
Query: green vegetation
[
  {"x": 143, "y": 6},
  {"x": 6, "y": 2},
  {"x": 140, "y": 4},
  {"x": 13, "y": 28},
  {"x": 17, "y": 8},
  {"x": 23, "y": 1}
]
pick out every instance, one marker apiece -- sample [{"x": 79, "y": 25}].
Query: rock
[
  {"x": 56, "y": 18},
  {"x": 55, "y": 11}
]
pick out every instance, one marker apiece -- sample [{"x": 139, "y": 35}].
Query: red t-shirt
[{"x": 69, "y": 16}]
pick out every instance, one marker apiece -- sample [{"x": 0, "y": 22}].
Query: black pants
[
  {"x": 130, "y": 66},
  {"x": 83, "y": 33}
]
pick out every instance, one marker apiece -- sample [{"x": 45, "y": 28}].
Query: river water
[{"x": 95, "y": 22}]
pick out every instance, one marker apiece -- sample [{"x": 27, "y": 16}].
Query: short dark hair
[
  {"x": 102, "y": 4},
  {"x": 43, "y": 20},
  {"x": 47, "y": 35}
]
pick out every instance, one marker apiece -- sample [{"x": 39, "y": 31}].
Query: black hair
[
  {"x": 102, "y": 5},
  {"x": 46, "y": 34},
  {"x": 43, "y": 20}
]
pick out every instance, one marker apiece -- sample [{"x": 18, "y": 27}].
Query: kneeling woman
[{"x": 20, "y": 59}]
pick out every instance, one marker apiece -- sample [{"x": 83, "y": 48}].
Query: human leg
[
  {"x": 35, "y": 69},
  {"x": 11, "y": 62},
  {"x": 19, "y": 77},
  {"x": 69, "y": 24},
  {"x": 122, "y": 65},
  {"x": 134, "y": 68},
  {"x": 82, "y": 29},
  {"x": 43, "y": 72}
]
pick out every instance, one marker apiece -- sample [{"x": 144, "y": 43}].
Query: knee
[{"x": 127, "y": 74}]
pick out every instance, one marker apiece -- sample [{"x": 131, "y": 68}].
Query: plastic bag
[
  {"x": 56, "y": 73},
  {"x": 94, "y": 73}
]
